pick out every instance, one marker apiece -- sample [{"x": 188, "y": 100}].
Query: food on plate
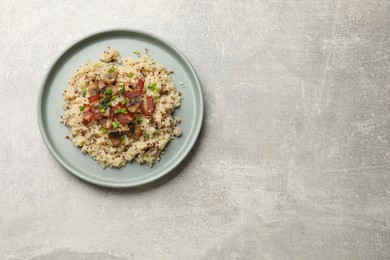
[{"x": 119, "y": 110}]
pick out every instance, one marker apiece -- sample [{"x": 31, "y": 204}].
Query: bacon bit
[
  {"x": 87, "y": 116},
  {"x": 94, "y": 98},
  {"x": 115, "y": 138},
  {"x": 134, "y": 93},
  {"x": 148, "y": 110},
  {"x": 141, "y": 84},
  {"x": 124, "y": 118},
  {"x": 118, "y": 106},
  {"x": 142, "y": 107},
  {"x": 97, "y": 116}
]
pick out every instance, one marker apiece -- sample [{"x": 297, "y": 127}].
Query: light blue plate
[{"x": 90, "y": 48}]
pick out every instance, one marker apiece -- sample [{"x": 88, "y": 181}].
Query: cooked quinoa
[{"x": 119, "y": 110}]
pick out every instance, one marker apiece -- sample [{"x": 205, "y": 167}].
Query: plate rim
[{"x": 44, "y": 132}]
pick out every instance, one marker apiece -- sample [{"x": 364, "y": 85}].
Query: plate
[{"x": 125, "y": 41}]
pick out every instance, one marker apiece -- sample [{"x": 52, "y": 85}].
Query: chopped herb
[
  {"x": 122, "y": 90},
  {"x": 123, "y": 102},
  {"x": 99, "y": 65},
  {"x": 115, "y": 124},
  {"x": 81, "y": 108},
  {"x": 139, "y": 120},
  {"x": 152, "y": 86},
  {"x": 104, "y": 130},
  {"x": 109, "y": 104},
  {"x": 105, "y": 99},
  {"x": 113, "y": 97},
  {"x": 121, "y": 84},
  {"x": 108, "y": 91},
  {"x": 121, "y": 110},
  {"x": 130, "y": 75},
  {"x": 158, "y": 131},
  {"x": 102, "y": 110},
  {"x": 146, "y": 136},
  {"x": 111, "y": 70},
  {"x": 84, "y": 91}
]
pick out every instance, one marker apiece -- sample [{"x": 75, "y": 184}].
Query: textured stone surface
[{"x": 292, "y": 162}]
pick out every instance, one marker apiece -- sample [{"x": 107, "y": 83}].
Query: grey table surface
[{"x": 292, "y": 162}]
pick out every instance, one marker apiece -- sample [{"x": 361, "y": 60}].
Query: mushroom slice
[
  {"x": 106, "y": 122},
  {"x": 115, "y": 89},
  {"x": 115, "y": 138},
  {"x": 134, "y": 104},
  {"x": 110, "y": 78},
  {"x": 102, "y": 83},
  {"x": 93, "y": 89},
  {"x": 107, "y": 112},
  {"x": 135, "y": 130}
]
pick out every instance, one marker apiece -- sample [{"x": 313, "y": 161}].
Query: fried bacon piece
[
  {"x": 87, "y": 116},
  {"x": 148, "y": 107}
]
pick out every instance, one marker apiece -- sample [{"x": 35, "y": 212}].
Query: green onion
[
  {"x": 81, "y": 108},
  {"x": 102, "y": 110},
  {"x": 152, "y": 86},
  {"x": 146, "y": 136},
  {"x": 122, "y": 90},
  {"x": 108, "y": 91},
  {"x": 84, "y": 91},
  {"x": 113, "y": 97},
  {"x": 158, "y": 131},
  {"x": 111, "y": 70},
  {"x": 120, "y": 110},
  {"x": 115, "y": 124},
  {"x": 123, "y": 102},
  {"x": 139, "y": 120},
  {"x": 130, "y": 75},
  {"x": 105, "y": 99},
  {"x": 99, "y": 65},
  {"x": 121, "y": 84},
  {"x": 104, "y": 130}
]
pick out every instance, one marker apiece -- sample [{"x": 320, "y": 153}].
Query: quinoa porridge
[{"x": 119, "y": 110}]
